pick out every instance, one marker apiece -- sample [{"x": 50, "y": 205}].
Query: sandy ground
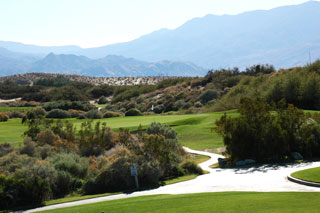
[
  {"x": 9, "y": 100},
  {"x": 272, "y": 178}
]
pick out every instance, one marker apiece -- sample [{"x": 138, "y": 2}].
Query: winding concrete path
[{"x": 263, "y": 179}]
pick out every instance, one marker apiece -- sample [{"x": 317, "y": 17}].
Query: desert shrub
[
  {"x": 191, "y": 168},
  {"x": 133, "y": 112},
  {"x": 16, "y": 114},
  {"x": 208, "y": 95},
  {"x": 263, "y": 136},
  {"x": 110, "y": 114},
  {"x": 158, "y": 108},
  {"x": 260, "y": 69},
  {"x": 46, "y": 137},
  {"x": 75, "y": 113},
  {"x": 63, "y": 184},
  {"x": 160, "y": 144},
  {"x": 102, "y": 100},
  {"x": 163, "y": 130},
  {"x": 39, "y": 111},
  {"x": 5, "y": 148},
  {"x": 18, "y": 191},
  {"x": 72, "y": 163},
  {"x": 95, "y": 139},
  {"x": 66, "y": 105},
  {"x": 58, "y": 113},
  {"x": 29, "y": 147},
  {"x": 93, "y": 114},
  {"x": 115, "y": 175},
  {"x": 45, "y": 151},
  {"x": 3, "y": 117}
]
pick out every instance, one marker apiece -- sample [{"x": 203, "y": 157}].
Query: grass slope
[
  {"x": 12, "y": 131},
  {"x": 209, "y": 202},
  {"x": 312, "y": 175}
]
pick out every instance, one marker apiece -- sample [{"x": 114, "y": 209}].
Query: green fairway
[
  {"x": 12, "y": 131},
  {"x": 201, "y": 135},
  {"x": 194, "y": 130},
  {"x": 312, "y": 175},
  {"x": 209, "y": 202},
  {"x": 10, "y": 109}
]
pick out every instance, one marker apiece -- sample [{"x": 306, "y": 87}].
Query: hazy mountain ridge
[
  {"x": 105, "y": 67},
  {"x": 224, "y": 41},
  {"x": 282, "y": 36}
]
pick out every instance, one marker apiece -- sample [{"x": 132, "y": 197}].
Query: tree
[{"x": 261, "y": 134}]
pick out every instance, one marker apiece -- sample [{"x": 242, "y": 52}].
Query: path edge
[{"x": 303, "y": 182}]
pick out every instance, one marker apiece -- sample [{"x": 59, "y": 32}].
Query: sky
[{"x": 92, "y": 23}]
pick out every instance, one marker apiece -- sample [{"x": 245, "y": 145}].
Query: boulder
[
  {"x": 296, "y": 156},
  {"x": 222, "y": 162},
  {"x": 240, "y": 163},
  {"x": 249, "y": 161}
]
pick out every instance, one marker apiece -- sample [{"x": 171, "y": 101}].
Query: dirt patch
[
  {"x": 10, "y": 100},
  {"x": 216, "y": 150}
]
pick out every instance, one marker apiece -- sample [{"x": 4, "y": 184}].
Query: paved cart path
[{"x": 261, "y": 179}]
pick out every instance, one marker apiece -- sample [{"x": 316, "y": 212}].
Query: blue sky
[{"x": 90, "y": 23}]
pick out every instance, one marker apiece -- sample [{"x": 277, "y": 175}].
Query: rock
[
  {"x": 296, "y": 156},
  {"x": 249, "y": 161},
  {"x": 240, "y": 163},
  {"x": 222, "y": 162}
]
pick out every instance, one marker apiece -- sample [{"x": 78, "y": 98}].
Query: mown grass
[
  {"x": 201, "y": 135},
  {"x": 209, "y": 202},
  {"x": 71, "y": 198},
  {"x": 12, "y": 131},
  {"x": 10, "y": 109},
  {"x": 312, "y": 175}
]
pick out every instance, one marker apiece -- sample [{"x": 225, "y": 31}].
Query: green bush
[
  {"x": 156, "y": 128},
  {"x": 191, "y": 168},
  {"x": 29, "y": 147},
  {"x": 208, "y": 95},
  {"x": 110, "y": 114},
  {"x": 75, "y": 113},
  {"x": 102, "y": 100},
  {"x": 115, "y": 175},
  {"x": 73, "y": 163},
  {"x": 158, "y": 108},
  {"x": 66, "y": 105},
  {"x": 5, "y": 149},
  {"x": 133, "y": 112},
  {"x": 39, "y": 111},
  {"x": 94, "y": 114},
  {"x": 264, "y": 136},
  {"x": 16, "y": 114},
  {"x": 58, "y": 113}
]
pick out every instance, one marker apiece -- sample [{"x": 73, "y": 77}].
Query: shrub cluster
[
  {"x": 55, "y": 161},
  {"x": 266, "y": 133},
  {"x": 67, "y": 105}
]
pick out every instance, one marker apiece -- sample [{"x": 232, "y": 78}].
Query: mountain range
[
  {"x": 109, "y": 66},
  {"x": 285, "y": 37}
]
